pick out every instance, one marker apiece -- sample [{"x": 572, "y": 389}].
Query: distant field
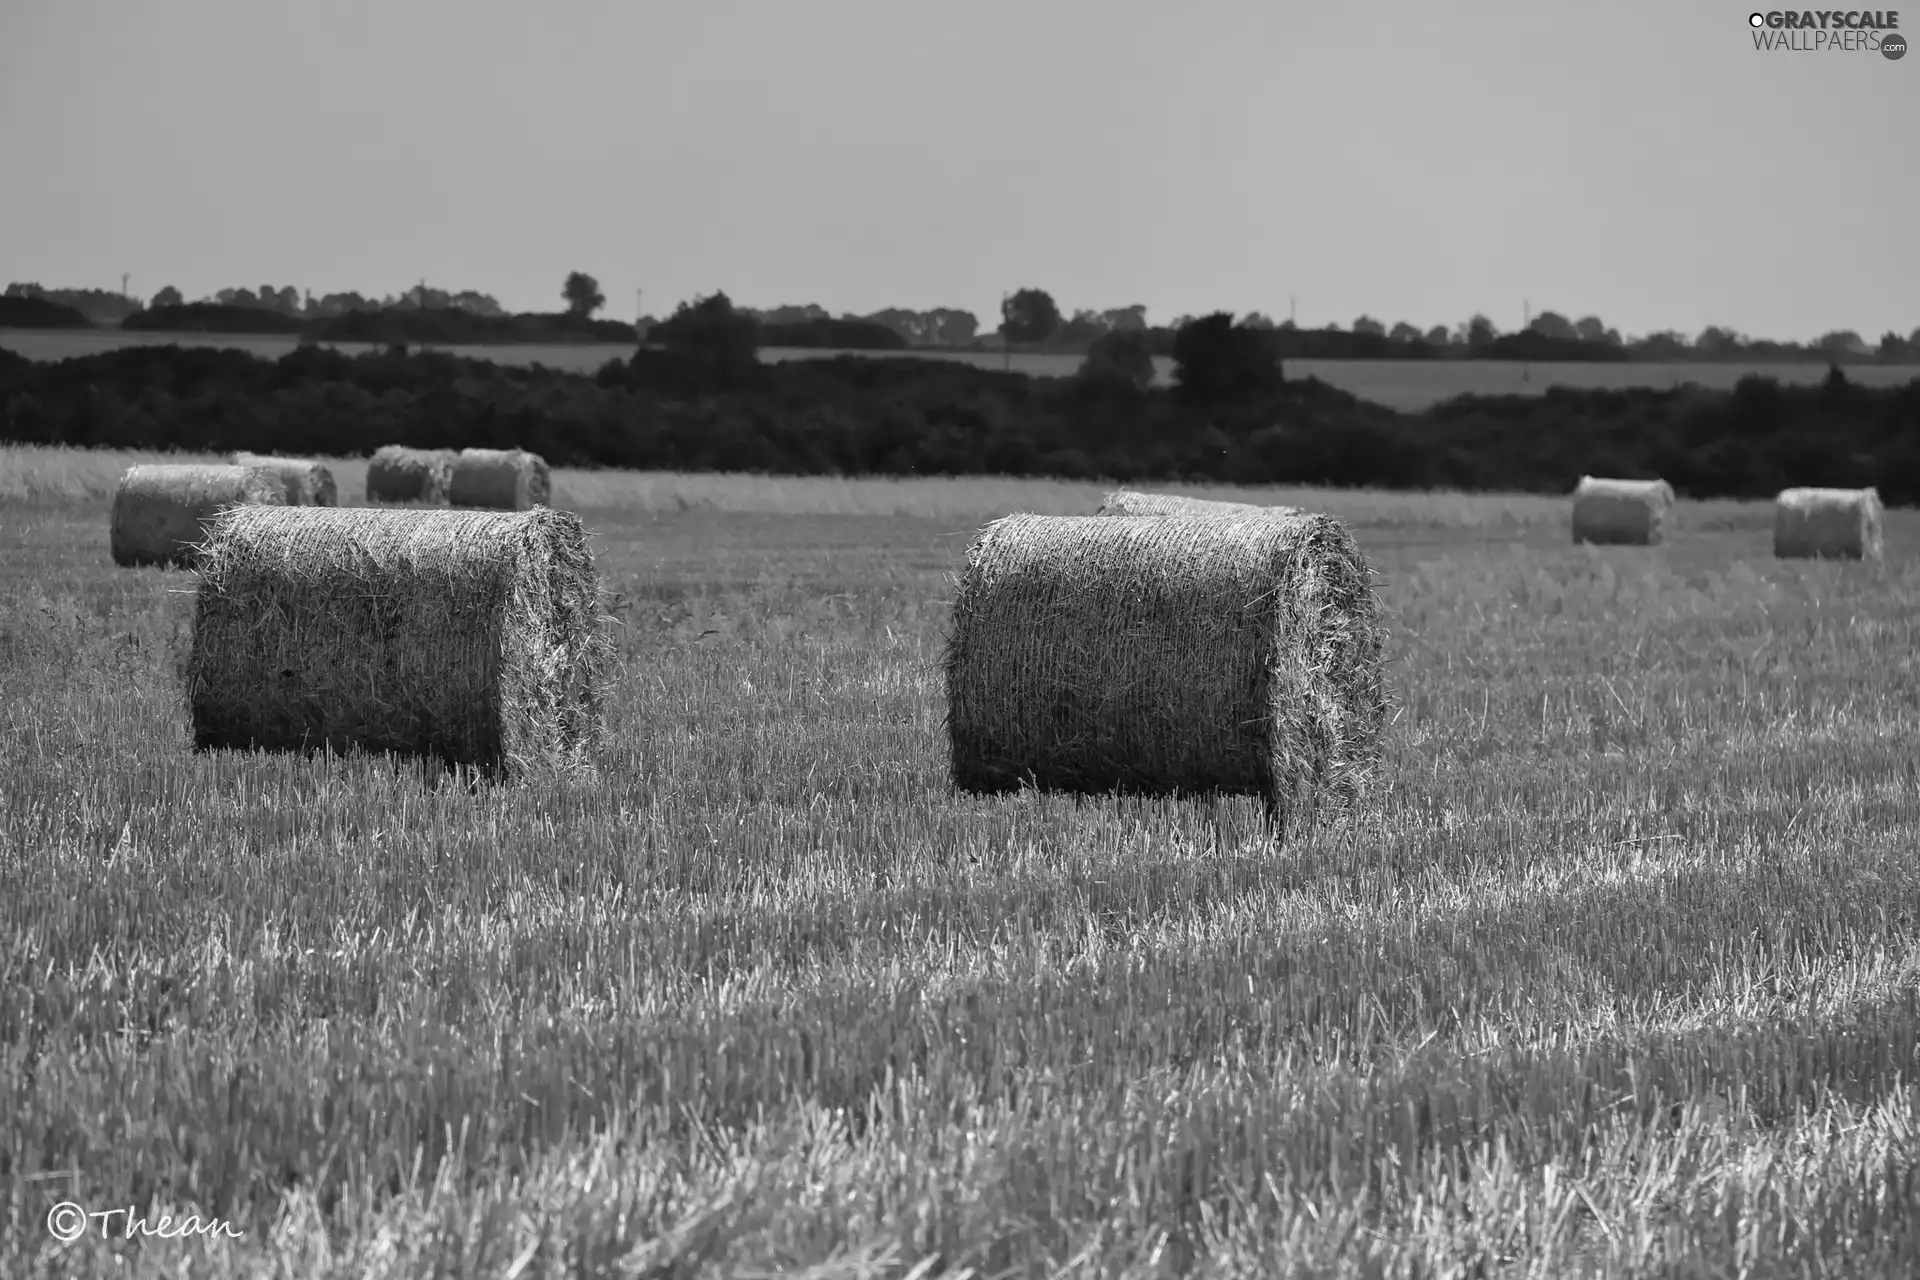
[
  {"x": 1407, "y": 385},
  {"x": 1618, "y": 974}
]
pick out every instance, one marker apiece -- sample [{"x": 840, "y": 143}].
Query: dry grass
[
  {"x": 161, "y": 512},
  {"x": 1622, "y": 512},
  {"x": 1840, "y": 524},
  {"x": 1621, "y": 977},
  {"x": 1184, "y": 654},
  {"x": 471, "y": 638}
]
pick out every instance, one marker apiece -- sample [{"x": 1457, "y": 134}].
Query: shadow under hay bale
[
  {"x": 1129, "y": 502},
  {"x": 1179, "y": 655},
  {"x": 308, "y": 483},
  {"x": 1828, "y": 524},
  {"x": 162, "y": 511},
  {"x": 502, "y": 479},
  {"x": 472, "y": 637},
  {"x": 1621, "y": 512},
  {"x": 399, "y": 474}
]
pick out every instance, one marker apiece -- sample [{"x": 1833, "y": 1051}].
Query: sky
[{"x": 1416, "y": 160}]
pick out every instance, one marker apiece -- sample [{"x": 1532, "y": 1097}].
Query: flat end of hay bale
[
  {"x": 474, "y": 638},
  {"x": 1179, "y": 655}
]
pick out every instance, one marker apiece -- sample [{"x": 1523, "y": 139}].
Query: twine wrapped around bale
[
  {"x": 400, "y": 474},
  {"x": 1834, "y": 524},
  {"x": 506, "y": 479},
  {"x": 1129, "y": 502},
  {"x": 161, "y": 511},
  {"x": 309, "y": 483},
  {"x": 1184, "y": 654},
  {"x": 471, "y": 637},
  {"x": 1625, "y": 512}
]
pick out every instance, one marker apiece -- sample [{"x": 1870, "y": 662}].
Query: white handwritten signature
[{"x": 67, "y": 1222}]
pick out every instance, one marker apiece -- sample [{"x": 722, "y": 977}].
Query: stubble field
[{"x": 1619, "y": 974}]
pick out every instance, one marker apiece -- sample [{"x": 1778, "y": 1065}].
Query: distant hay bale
[
  {"x": 507, "y": 479},
  {"x": 309, "y": 483},
  {"x": 400, "y": 474},
  {"x": 1129, "y": 502},
  {"x": 1835, "y": 524},
  {"x": 1628, "y": 512},
  {"x": 161, "y": 511},
  {"x": 1185, "y": 654},
  {"x": 470, "y": 637}
]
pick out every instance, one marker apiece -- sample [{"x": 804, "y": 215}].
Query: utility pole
[
  {"x": 1290, "y": 312},
  {"x": 124, "y": 277}
]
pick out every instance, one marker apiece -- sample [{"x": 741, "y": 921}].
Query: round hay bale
[
  {"x": 1833, "y": 524},
  {"x": 471, "y": 637},
  {"x": 400, "y": 474},
  {"x": 1185, "y": 654},
  {"x": 506, "y": 479},
  {"x": 1129, "y": 502},
  {"x": 1624, "y": 512},
  {"x": 161, "y": 511},
  {"x": 309, "y": 484}
]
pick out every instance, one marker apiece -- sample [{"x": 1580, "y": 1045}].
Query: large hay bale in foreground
[
  {"x": 1185, "y": 654},
  {"x": 1625, "y": 512},
  {"x": 309, "y": 483},
  {"x": 1834, "y": 524},
  {"x": 1129, "y": 502},
  {"x": 400, "y": 474},
  {"x": 507, "y": 479},
  {"x": 162, "y": 511},
  {"x": 472, "y": 637}
]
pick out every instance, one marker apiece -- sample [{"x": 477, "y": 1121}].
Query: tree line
[
  {"x": 1030, "y": 320},
  {"x": 701, "y": 400}
]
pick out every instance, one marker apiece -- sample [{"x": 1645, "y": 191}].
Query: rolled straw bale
[
  {"x": 1835, "y": 524},
  {"x": 400, "y": 474},
  {"x": 472, "y": 637},
  {"x": 1129, "y": 502},
  {"x": 161, "y": 511},
  {"x": 509, "y": 479},
  {"x": 1631, "y": 512},
  {"x": 309, "y": 484},
  {"x": 1182, "y": 654}
]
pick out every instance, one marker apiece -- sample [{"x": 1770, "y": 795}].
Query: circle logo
[
  {"x": 66, "y": 1222},
  {"x": 1756, "y": 19},
  {"x": 1894, "y": 47}
]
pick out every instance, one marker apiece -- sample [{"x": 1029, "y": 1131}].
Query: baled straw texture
[
  {"x": 1184, "y": 654},
  {"x": 1628, "y": 512},
  {"x": 161, "y": 511},
  {"x": 309, "y": 484},
  {"x": 472, "y": 637},
  {"x": 1835, "y": 524},
  {"x": 1130, "y": 502},
  {"x": 400, "y": 474},
  {"x": 508, "y": 479}
]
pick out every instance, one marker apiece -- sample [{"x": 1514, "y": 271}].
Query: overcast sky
[{"x": 1406, "y": 159}]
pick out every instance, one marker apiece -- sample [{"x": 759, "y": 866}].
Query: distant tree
[
  {"x": 1841, "y": 342},
  {"x": 1480, "y": 331},
  {"x": 1368, "y": 325},
  {"x": 19, "y": 290},
  {"x": 1332, "y": 326},
  {"x": 1590, "y": 329},
  {"x": 954, "y": 328},
  {"x": 1403, "y": 332},
  {"x": 1216, "y": 360},
  {"x": 1121, "y": 355},
  {"x": 1180, "y": 322},
  {"x": 237, "y": 298},
  {"x": 723, "y": 344},
  {"x": 1131, "y": 317},
  {"x": 1029, "y": 316},
  {"x": 1551, "y": 324},
  {"x": 1665, "y": 345},
  {"x": 167, "y": 297},
  {"x": 583, "y": 296},
  {"x": 1080, "y": 331},
  {"x": 1438, "y": 335},
  {"x": 1717, "y": 341},
  {"x": 1893, "y": 347},
  {"x": 1913, "y": 339},
  {"x": 1257, "y": 320}
]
